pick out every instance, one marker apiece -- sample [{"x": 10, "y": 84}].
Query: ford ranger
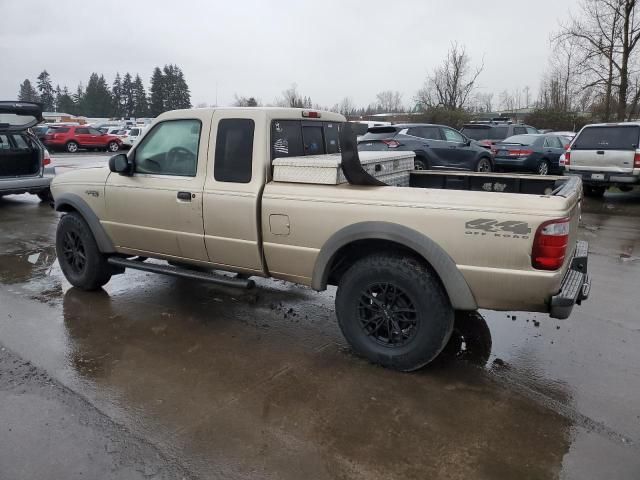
[{"x": 196, "y": 194}]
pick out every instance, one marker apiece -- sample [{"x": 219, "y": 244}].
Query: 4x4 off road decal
[{"x": 488, "y": 226}]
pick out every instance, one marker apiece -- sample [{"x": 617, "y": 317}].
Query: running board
[{"x": 182, "y": 273}]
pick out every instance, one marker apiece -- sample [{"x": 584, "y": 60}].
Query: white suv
[{"x": 606, "y": 155}]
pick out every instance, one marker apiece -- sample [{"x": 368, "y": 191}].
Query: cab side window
[
  {"x": 171, "y": 148},
  {"x": 234, "y": 150}
]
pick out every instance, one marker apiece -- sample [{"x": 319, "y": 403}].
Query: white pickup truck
[{"x": 197, "y": 193}]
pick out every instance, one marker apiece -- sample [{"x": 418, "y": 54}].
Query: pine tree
[
  {"x": 97, "y": 98},
  {"x": 27, "y": 92},
  {"x": 140, "y": 98},
  {"x": 182, "y": 93},
  {"x": 127, "y": 95},
  {"x": 46, "y": 91},
  {"x": 169, "y": 79},
  {"x": 116, "y": 95},
  {"x": 157, "y": 93},
  {"x": 56, "y": 103},
  {"x": 78, "y": 100},
  {"x": 65, "y": 102}
]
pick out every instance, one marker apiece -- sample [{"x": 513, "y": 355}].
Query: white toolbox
[{"x": 392, "y": 168}]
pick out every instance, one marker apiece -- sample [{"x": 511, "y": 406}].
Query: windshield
[{"x": 608, "y": 138}]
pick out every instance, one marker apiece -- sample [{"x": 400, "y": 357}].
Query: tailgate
[{"x": 606, "y": 148}]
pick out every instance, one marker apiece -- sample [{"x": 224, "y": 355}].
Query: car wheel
[
  {"x": 393, "y": 311},
  {"x": 80, "y": 260},
  {"x": 594, "y": 192},
  {"x": 72, "y": 147},
  {"x": 420, "y": 164},
  {"x": 113, "y": 146},
  {"x": 45, "y": 195},
  {"x": 543, "y": 168},
  {"x": 483, "y": 165}
]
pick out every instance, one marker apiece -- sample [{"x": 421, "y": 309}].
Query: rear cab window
[
  {"x": 615, "y": 137},
  {"x": 296, "y": 138},
  {"x": 486, "y": 132},
  {"x": 380, "y": 133},
  {"x": 234, "y": 150}
]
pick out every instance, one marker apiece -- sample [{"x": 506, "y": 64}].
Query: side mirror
[{"x": 121, "y": 164}]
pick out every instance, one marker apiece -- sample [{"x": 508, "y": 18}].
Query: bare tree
[
  {"x": 389, "y": 101},
  {"x": 346, "y": 106},
  {"x": 606, "y": 36},
  {"x": 507, "y": 101},
  {"x": 526, "y": 91},
  {"x": 245, "y": 101},
  {"x": 452, "y": 83},
  {"x": 291, "y": 98},
  {"x": 484, "y": 102}
]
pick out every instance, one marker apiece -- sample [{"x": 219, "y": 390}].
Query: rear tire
[
  {"x": 45, "y": 195},
  {"x": 484, "y": 165},
  {"x": 72, "y": 147},
  {"x": 543, "y": 167},
  {"x": 80, "y": 259},
  {"x": 420, "y": 164},
  {"x": 594, "y": 192},
  {"x": 393, "y": 311}
]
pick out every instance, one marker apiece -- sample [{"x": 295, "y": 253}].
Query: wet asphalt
[{"x": 156, "y": 377}]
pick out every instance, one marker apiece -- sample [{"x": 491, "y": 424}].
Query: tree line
[{"x": 126, "y": 97}]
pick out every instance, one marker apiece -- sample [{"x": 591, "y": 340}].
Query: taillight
[
  {"x": 567, "y": 157},
  {"x": 310, "y": 114},
  {"x": 636, "y": 160},
  {"x": 46, "y": 160},
  {"x": 550, "y": 244},
  {"x": 520, "y": 153},
  {"x": 391, "y": 143}
]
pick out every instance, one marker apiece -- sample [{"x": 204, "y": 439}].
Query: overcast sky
[{"x": 330, "y": 48}]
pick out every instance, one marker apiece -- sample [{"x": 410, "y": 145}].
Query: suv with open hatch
[
  {"x": 282, "y": 193},
  {"x": 605, "y": 155},
  {"x": 25, "y": 165},
  {"x": 72, "y": 138}
]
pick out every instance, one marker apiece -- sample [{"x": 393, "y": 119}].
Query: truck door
[
  {"x": 158, "y": 209},
  {"x": 232, "y": 189}
]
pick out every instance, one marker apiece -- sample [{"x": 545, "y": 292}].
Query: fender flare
[
  {"x": 454, "y": 282},
  {"x": 67, "y": 202}
]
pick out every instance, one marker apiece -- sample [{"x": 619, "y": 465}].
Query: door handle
[
  {"x": 600, "y": 152},
  {"x": 184, "y": 196}
]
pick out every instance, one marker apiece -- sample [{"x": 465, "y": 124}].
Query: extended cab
[{"x": 197, "y": 191}]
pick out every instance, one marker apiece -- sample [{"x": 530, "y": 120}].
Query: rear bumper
[
  {"x": 17, "y": 185},
  {"x": 576, "y": 284},
  {"x": 605, "y": 178}
]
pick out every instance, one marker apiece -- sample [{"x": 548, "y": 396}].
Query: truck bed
[{"x": 492, "y": 182}]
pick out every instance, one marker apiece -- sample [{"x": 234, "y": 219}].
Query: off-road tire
[
  {"x": 434, "y": 315},
  {"x": 95, "y": 271},
  {"x": 594, "y": 192},
  {"x": 72, "y": 147}
]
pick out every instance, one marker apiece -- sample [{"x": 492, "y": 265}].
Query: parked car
[
  {"x": 606, "y": 155},
  {"x": 436, "y": 146},
  {"x": 72, "y": 138},
  {"x": 404, "y": 259},
  {"x": 132, "y": 135},
  {"x": 25, "y": 164},
  {"x": 488, "y": 133},
  {"x": 531, "y": 153}
]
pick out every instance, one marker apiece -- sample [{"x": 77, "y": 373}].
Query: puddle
[{"x": 26, "y": 266}]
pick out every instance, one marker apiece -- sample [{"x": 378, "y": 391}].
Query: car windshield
[
  {"x": 608, "y": 138},
  {"x": 521, "y": 139},
  {"x": 134, "y": 132}
]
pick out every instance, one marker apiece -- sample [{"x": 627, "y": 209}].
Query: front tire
[
  {"x": 80, "y": 259},
  {"x": 113, "y": 146},
  {"x": 72, "y": 147},
  {"x": 484, "y": 165},
  {"x": 393, "y": 311}
]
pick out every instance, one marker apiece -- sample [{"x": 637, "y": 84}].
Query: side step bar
[{"x": 182, "y": 272}]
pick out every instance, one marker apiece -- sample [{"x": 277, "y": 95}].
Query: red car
[{"x": 71, "y": 138}]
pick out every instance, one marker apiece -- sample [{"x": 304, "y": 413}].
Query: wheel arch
[
  {"x": 357, "y": 237},
  {"x": 70, "y": 202}
]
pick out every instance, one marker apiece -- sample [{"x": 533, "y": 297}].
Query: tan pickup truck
[{"x": 196, "y": 195}]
